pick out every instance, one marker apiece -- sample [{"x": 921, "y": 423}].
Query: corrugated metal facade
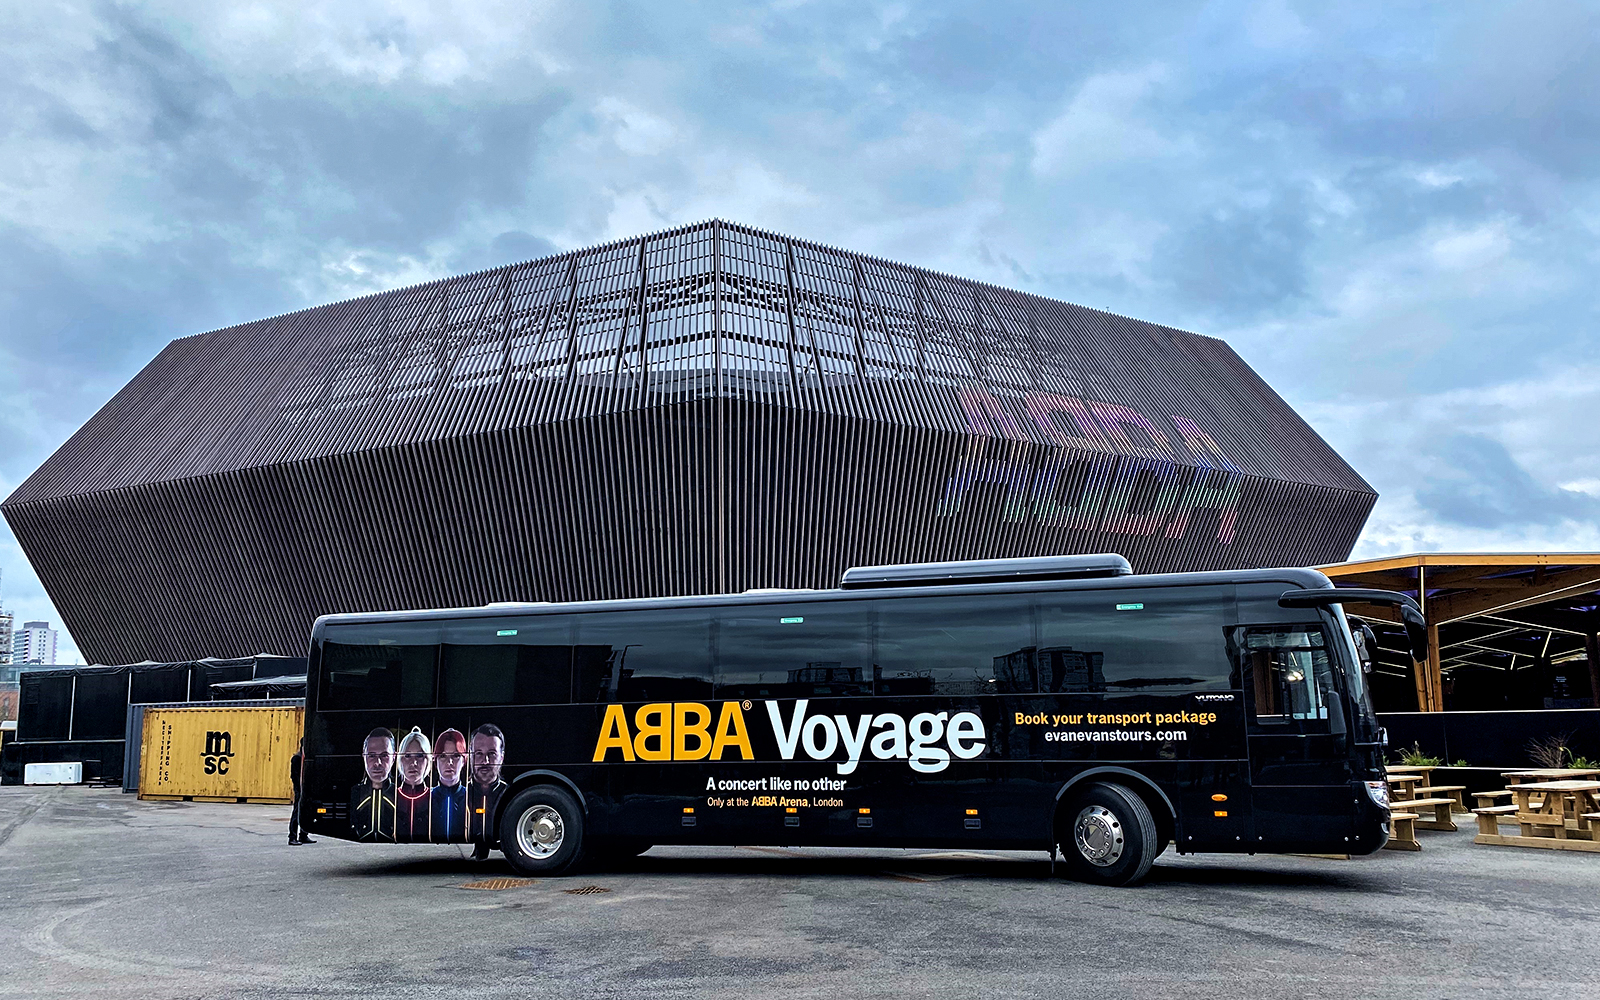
[{"x": 708, "y": 409}]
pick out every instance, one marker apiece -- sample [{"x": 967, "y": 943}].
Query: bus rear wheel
[
  {"x": 541, "y": 831},
  {"x": 1107, "y": 836}
]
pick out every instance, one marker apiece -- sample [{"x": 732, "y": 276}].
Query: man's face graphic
[
  {"x": 413, "y": 764},
  {"x": 450, "y": 761},
  {"x": 487, "y": 756},
  {"x": 379, "y": 759}
]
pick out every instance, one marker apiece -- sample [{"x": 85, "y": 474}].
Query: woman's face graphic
[
  {"x": 450, "y": 761},
  {"x": 413, "y": 764}
]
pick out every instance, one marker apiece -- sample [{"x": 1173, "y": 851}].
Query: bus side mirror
[
  {"x": 1416, "y": 631},
  {"x": 1366, "y": 645},
  {"x": 1410, "y": 614}
]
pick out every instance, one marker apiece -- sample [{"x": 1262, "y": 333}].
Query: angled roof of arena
[{"x": 712, "y": 309}]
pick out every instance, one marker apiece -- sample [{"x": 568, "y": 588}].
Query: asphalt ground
[{"x": 104, "y": 895}]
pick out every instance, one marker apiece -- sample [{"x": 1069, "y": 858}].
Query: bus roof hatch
[{"x": 986, "y": 571}]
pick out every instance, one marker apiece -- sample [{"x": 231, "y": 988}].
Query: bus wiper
[{"x": 1410, "y": 614}]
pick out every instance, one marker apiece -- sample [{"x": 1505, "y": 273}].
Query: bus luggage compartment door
[{"x": 1214, "y": 807}]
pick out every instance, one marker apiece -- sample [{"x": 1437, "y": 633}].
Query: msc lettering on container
[{"x": 219, "y": 748}]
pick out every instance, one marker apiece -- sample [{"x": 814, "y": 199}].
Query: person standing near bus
[
  {"x": 448, "y": 799},
  {"x": 372, "y": 802},
  {"x": 297, "y": 834},
  {"x": 411, "y": 798},
  {"x": 488, "y": 754}
]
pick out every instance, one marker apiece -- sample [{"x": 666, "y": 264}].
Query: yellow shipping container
[{"x": 214, "y": 752}]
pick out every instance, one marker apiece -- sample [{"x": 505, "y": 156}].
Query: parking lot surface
[{"x": 108, "y": 896}]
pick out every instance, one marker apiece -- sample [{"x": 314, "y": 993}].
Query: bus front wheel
[
  {"x": 541, "y": 831},
  {"x": 1107, "y": 835}
]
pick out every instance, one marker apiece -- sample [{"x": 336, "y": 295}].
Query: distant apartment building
[
  {"x": 33, "y": 643},
  {"x": 8, "y": 670}
]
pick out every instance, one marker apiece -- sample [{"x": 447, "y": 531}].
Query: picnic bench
[
  {"x": 1401, "y": 783},
  {"x": 1402, "y": 821},
  {"x": 1425, "y": 788},
  {"x": 1528, "y": 775},
  {"x": 1402, "y": 832},
  {"x": 1430, "y": 812},
  {"x": 1439, "y": 808},
  {"x": 1561, "y": 815},
  {"x": 1452, "y": 792}
]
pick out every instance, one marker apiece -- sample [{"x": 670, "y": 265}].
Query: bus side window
[
  {"x": 1289, "y": 673},
  {"x": 1133, "y": 640},
  {"x": 644, "y": 655},
  {"x": 378, "y": 666},
  {"x": 956, "y": 646},
  {"x": 811, "y": 650},
  {"x": 506, "y": 661},
  {"x": 591, "y": 673}
]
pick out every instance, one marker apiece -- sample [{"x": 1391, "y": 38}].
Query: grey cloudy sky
[{"x": 1389, "y": 210}]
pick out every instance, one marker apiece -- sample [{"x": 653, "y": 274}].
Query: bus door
[{"x": 1297, "y": 738}]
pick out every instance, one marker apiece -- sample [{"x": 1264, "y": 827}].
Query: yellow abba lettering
[
  {"x": 731, "y": 733},
  {"x": 653, "y": 721},
  {"x": 614, "y": 733},
  {"x": 676, "y": 731},
  {"x": 683, "y": 730}
]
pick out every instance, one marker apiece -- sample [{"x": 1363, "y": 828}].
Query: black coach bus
[{"x": 1056, "y": 703}]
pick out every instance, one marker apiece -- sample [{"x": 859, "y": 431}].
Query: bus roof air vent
[{"x": 986, "y": 571}]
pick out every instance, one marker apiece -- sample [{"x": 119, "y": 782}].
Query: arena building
[{"x": 709, "y": 409}]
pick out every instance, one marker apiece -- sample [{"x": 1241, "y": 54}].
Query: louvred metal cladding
[{"x": 708, "y": 409}]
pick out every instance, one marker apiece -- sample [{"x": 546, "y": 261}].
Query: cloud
[
  {"x": 1103, "y": 125},
  {"x": 515, "y": 245},
  {"x": 1243, "y": 259},
  {"x": 634, "y": 130},
  {"x": 1472, "y": 480}
]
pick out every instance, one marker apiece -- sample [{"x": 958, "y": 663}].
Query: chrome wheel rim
[
  {"x": 1099, "y": 836},
  {"x": 540, "y": 832}
]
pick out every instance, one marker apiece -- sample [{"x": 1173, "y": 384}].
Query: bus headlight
[{"x": 1378, "y": 792}]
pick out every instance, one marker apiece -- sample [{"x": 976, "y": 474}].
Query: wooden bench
[
  {"x": 1558, "y": 824},
  {"x": 1489, "y": 817},
  {"x": 1452, "y": 792},
  {"x": 1441, "y": 813},
  {"x": 1402, "y": 832}
]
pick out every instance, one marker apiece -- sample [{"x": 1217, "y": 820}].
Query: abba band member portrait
[
  {"x": 488, "y": 754},
  {"x": 411, "y": 805},
  {"x": 448, "y": 799},
  {"x": 372, "y": 801}
]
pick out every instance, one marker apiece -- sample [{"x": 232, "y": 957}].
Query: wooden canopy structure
[{"x": 1491, "y": 610}]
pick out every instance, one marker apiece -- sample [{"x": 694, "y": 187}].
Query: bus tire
[
  {"x": 541, "y": 831},
  {"x": 1107, "y": 836}
]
